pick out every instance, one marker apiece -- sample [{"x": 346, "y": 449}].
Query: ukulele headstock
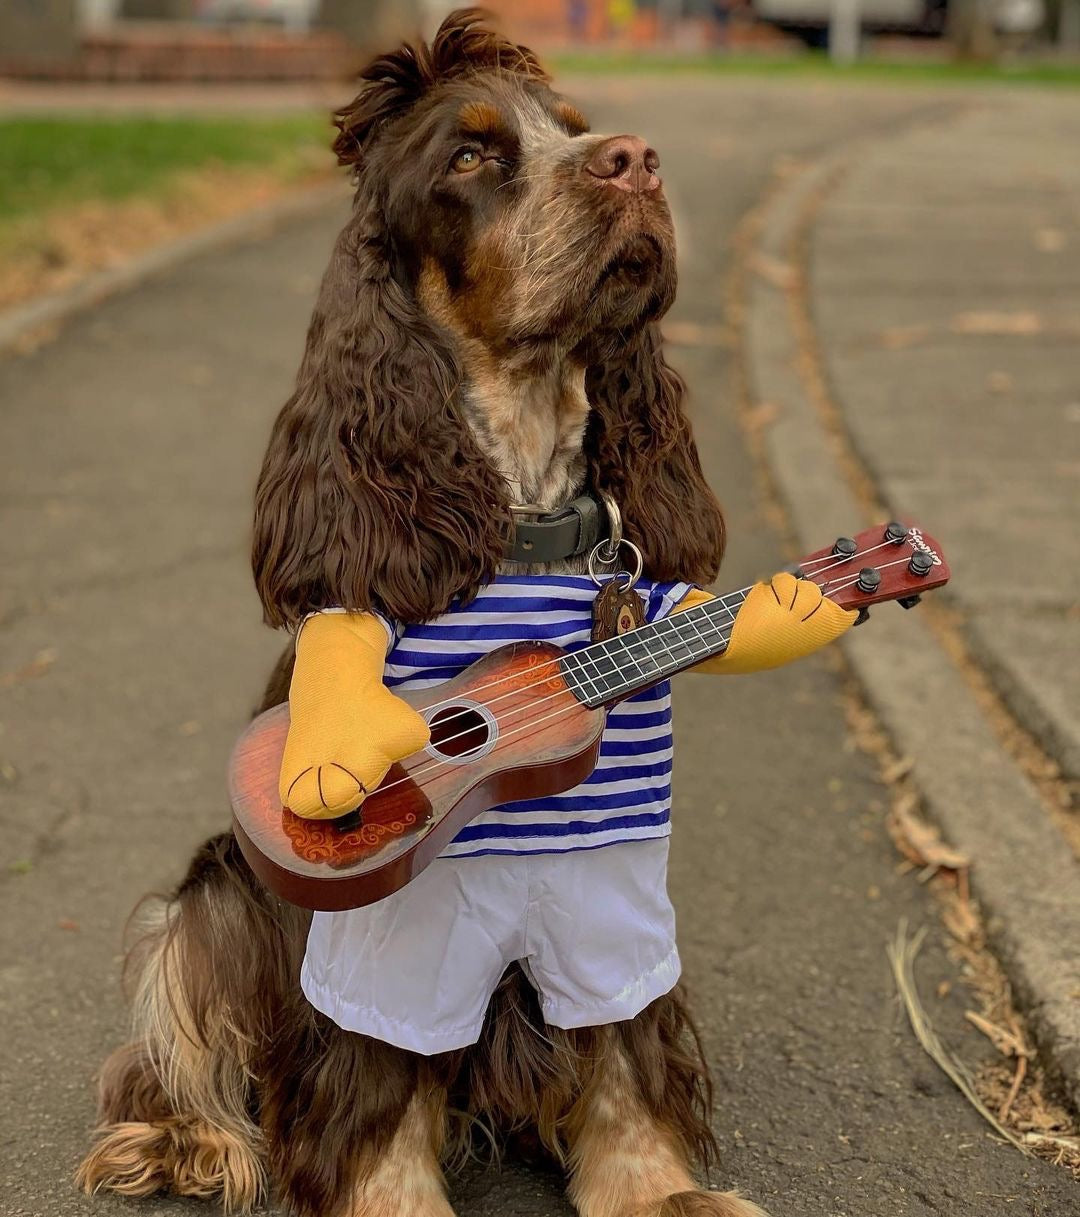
[{"x": 894, "y": 561}]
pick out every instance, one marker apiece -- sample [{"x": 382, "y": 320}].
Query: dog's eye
[{"x": 466, "y": 161}]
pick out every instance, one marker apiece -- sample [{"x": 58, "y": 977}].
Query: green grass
[
  {"x": 46, "y": 162},
  {"x": 816, "y": 64}
]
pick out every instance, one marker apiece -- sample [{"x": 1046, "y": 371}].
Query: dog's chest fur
[{"x": 532, "y": 430}]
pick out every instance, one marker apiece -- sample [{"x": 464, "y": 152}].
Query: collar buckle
[{"x": 555, "y": 536}]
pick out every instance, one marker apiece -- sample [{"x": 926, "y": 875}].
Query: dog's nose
[{"x": 626, "y": 162}]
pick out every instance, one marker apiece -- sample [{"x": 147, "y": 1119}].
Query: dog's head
[
  {"x": 511, "y": 222},
  {"x": 488, "y": 218}
]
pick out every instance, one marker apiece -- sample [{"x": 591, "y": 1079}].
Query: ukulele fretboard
[{"x": 607, "y": 671}]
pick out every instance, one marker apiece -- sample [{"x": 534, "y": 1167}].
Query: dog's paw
[
  {"x": 328, "y": 789},
  {"x": 782, "y": 620},
  {"x": 707, "y": 1204},
  {"x": 323, "y": 776}
]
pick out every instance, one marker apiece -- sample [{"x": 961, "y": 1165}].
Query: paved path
[
  {"x": 946, "y": 295},
  {"x": 127, "y": 454}
]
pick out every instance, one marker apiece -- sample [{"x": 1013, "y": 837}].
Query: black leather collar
[{"x": 555, "y": 536}]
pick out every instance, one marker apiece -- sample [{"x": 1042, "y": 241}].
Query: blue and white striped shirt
[{"x": 628, "y": 795}]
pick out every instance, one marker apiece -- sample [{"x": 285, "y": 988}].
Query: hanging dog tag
[{"x": 616, "y": 609}]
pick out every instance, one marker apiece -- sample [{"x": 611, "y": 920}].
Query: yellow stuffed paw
[
  {"x": 778, "y": 622},
  {"x": 346, "y": 728}
]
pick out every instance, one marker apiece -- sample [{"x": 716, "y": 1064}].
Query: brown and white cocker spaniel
[{"x": 486, "y": 334}]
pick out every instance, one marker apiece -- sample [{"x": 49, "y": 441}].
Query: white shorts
[{"x": 594, "y": 931}]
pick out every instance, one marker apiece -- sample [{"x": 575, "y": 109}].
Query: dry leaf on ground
[{"x": 919, "y": 841}]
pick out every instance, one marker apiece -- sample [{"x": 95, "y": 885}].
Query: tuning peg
[
  {"x": 921, "y": 563},
  {"x": 864, "y": 615},
  {"x": 793, "y": 568},
  {"x": 845, "y": 547},
  {"x": 909, "y": 602},
  {"x": 869, "y": 579},
  {"x": 896, "y": 532}
]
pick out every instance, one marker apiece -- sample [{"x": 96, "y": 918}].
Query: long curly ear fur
[
  {"x": 373, "y": 493},
  {"x": 394, "y": 83},
  {"x": 640, "y": 448}
]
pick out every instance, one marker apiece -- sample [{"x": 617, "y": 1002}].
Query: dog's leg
[
  {"x": 353, "y": 1131},
  {"x": 626, "y": 1159},
  {"x": 406, "y": 1180},
  {"x": 174, "y": 1103},
  {"x": 215, "y": 989}
]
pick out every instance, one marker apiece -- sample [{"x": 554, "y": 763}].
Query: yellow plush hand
[
  {"x": 346, "y": 728},
  {"x": 781, "y": 620}
]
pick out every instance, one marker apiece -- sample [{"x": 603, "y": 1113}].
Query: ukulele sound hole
[{"x": 461, "y": 732}]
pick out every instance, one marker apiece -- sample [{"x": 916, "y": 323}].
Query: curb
[
  {"x": 1023, "y": 873},
  {"x": 28, "y": 325}
]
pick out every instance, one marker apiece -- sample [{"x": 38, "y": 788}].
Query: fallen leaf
[
  {"x": 897, "y": 337},
  {"x": 898, "y": 769},
  {"x": 761, "y": 415},
  {"x": 962, "y": 921},
  {"x": 40, "y": 664},
  {"x": 773, "y": 270},
  {"x": 1049, "y": 240},
  {"x": 919, "y": 841},
  {"x": 694, "y": 334},
  {"x": 1008, "y": 1043},
  {"x": 997, "y": 323}
]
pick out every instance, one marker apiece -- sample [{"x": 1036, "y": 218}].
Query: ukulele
[{"x": 524, "y": 722}]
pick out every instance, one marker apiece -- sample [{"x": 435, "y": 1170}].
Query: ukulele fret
[
  {"x": 606, "y": 671},
  {"x": 575, "y": 679},
  {"x": 691, "y": 620},
  {"x": 603, "y": 675}
]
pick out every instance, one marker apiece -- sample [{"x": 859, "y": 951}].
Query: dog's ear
[
  {"x": 392, "y": 84},
  {"x": 641, "y": 449},
  {"x": 373, "y": 493}
]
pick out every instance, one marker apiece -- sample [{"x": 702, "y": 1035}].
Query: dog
[{"x": 486, "y": 335}]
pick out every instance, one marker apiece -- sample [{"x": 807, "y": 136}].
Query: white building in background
[
  {"x": 96, "y": 13},
  {"x": 293, "y": 14}
]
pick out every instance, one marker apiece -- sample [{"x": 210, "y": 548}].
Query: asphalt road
[{"x": 131, "y": 652}]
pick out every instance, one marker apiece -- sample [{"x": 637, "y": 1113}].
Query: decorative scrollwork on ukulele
[
  {"x": 319, "y": 842},
  {"x": 523, "y": 673}
]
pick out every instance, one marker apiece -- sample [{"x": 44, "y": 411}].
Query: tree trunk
[
  {"x": 38, "y": 33},
  {"x": 971, "y": 30},
  {"x": 372, "y": 25},
  {"x": 158, "y": 10}
]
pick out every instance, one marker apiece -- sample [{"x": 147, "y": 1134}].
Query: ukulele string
[
  {"x": 583, "y": 652},
  {"x": 449, "y": 701},
  {"x": 839, "y": 559},
  {"x": 855, "y": 578},
  {"x": 505, "y": 735}
]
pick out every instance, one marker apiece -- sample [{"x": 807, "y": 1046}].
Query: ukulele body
[
  {"x": 510, "y": 727},
  {"x": 506, "y": 728}
]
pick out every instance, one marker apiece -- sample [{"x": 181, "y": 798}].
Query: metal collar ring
[
  {"x": 598, "y": 556},
  {"x": 611, "y": 545}
]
